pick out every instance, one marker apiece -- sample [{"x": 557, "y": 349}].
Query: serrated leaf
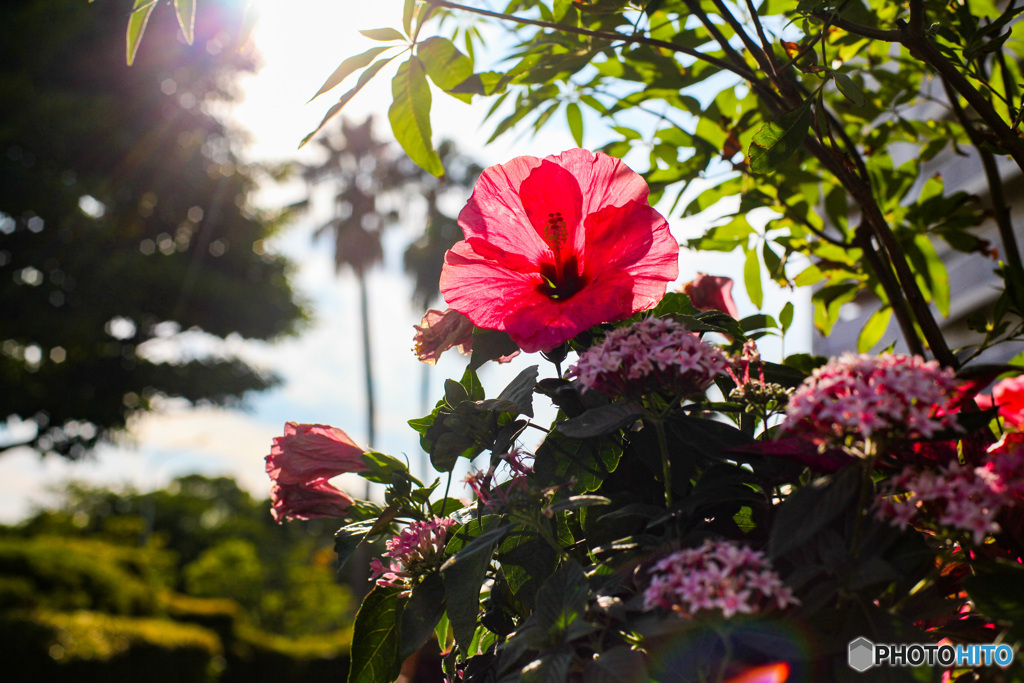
[
  {"x": 374, "y": 655},
  {"x": 777, "y": 140},
  {"x": 873, "y": 330},
  {"x": 850, "y": 90},
  {"x": 349, "y": 67},
  {"x": 364, "y": 78},
  {"x": 410, "y": 116},
  {"x": 137, "y": 26},
  {"x": 575, "y": 120},
  {"x": 752, "y": 278},
  {"x": 383, "y": 34},
  {"x": 186, "y": 11},
  {"x": 445, "y": 65}
]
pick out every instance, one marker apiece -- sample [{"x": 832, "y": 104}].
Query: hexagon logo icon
[{"x": 862, "y": 654}]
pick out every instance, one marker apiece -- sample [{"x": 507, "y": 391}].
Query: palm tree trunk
[{"x": 364, "y": 309}]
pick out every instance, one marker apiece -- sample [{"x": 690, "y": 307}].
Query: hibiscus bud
[
  {"x": 440, "y": 331},
  {"x": 308, "y": 452},
  {"x": 711, "y": 293},
  {"x": 318, "y": 498}
]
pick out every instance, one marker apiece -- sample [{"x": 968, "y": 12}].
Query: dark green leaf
[
  {"x": 601, "y": 420},
  {"x": 421, "y": 614},
  {"x": 463, "y": 578},
  {"x": 801, "y": 516},
  {"x": 520, "y": 390},
  {"x": 380, "y": 467},
  {"x": 577, "y": 502},
  {"x": 850, "y": 90},
  {"x": 410, "y": 116},
  {"x": 374, "y": 655},
  {"x": 582, "y": 462},
  {"x": 777, "y": 140},
  {"x": 752, "y": 278},
  {"x": 786, "y": 316},
  {"x": 490, "y": 345}
]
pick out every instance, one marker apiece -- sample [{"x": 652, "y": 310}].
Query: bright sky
[{"x": 302, "y": 42}]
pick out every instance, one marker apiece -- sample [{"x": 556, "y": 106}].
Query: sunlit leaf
[
  {"x": 374, "y": 656},
  {"x": 786, "y": 316},
  {"x": 364, "y": 78},
  {"x": 575, "y": 120},
  {"x": 383, "y": 34},
  {"x": 408, "y": 12},
  {"x": 137, "y": 26},
  {"x": 186, "y": 11},
  {"x": 873, "y": 329},
  {"x": 850, "y": 89},
  {"x": 445, "y": 65},
  {"x": 348, "y": 67},
  {"x": 752, "y": 278},
  {"x": 410, "y": 115}
]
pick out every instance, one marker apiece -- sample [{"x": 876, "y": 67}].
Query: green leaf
[
  {"x": 752, "y": 278},
  {"x": 421, "y": 614},
  {"x": 364, "y": 78},
  {"x": 601, "y": 420},
  {"x": 380, "y": 467},
  {"x": 489, "y": 345},
  {"x": 873, "y": 330},
  {"x": 374, "y": 655},
  {"x": 786, "y": 316},
  {"x": 445, "y": 65},
  {"x": 803, "y": 514},
  {"x": 383, "y": 34},
  {"x": 347, "y": 68},
  {"x": 583, "y": 462},
  {"x": 408, "y": 12},
  {"x": 410, "y": 116},
  {"x": 850, "y": 90},
  {"x": 562, "y": 600},
  {"x": 935, "y": 270},
  {"x": 575, "y": 120},
  {"x": 186, "y": 11},
  {"x": 520, "y": 390},
  {"x": 997, "y": 590},
  {"x": 777, "y": 140},
  {"x": 137, "y": 26},
  {"x": 463, "y": 578}
]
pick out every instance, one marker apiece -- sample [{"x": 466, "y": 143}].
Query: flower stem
[{"x": 666, "y": 463}]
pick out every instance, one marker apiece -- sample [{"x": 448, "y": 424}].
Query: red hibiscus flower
[
  {"x": 309, "y": 452},
  {"x": 1008, "y": 395},
  {"x": 555, "y": 246},
  {"x": 711, "y": 293}
]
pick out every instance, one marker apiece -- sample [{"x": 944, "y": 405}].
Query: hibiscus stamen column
[{"x": 555, "y": 235}]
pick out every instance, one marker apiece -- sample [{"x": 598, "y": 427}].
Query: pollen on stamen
[{"x": 556, "y": 231}]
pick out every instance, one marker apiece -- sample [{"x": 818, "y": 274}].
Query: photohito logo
[{"x": 864, "y": 654}]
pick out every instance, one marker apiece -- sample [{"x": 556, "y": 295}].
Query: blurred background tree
[
  {"x": 197, "y": 573},
  {"x": 129, "y": 250}
]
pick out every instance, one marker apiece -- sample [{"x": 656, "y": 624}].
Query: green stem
[
  {"x": 666, "y": 463},
  {"x": 444, "y": 501}
]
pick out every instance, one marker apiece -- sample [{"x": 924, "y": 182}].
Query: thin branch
[
  {"x": 765, "y": 43},
  {"x": 610, "y": 36},
  {"x": 1001, "y": 209},
  {"x": 889, "y": 284}
]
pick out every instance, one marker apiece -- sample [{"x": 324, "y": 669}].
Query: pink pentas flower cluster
[
  {"x": 300, "y": 464},
  {"x": 959, "y": 496},
  {"x": 721, "y": 576},
  {"x": 861, "y": 397},
  {"x": 657, "y": 354},
  {"x": 417, "y": 550}
]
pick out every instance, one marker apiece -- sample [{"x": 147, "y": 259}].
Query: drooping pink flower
[
  {"x": 711, "y": 293},
  {"x": 555, "y": 246},
  {"x": 718, "y": 576},
  {"x": 864, "y": 397},
  {"x": 440, "y": 331},
  {"x": 308, "y": 500},
  {"x": 308, "y": 452},
  {"x": 654, "y": 354},
  {"x": 417, "y": 550}
]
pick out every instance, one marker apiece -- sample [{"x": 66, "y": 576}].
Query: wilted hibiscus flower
[{"x": 555, "y": 246}]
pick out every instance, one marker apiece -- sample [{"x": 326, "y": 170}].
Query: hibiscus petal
[
  {"x": 495, "y": 214},
  {"x": 634, "y": 237},
  {"x": 551, "y": 191}
]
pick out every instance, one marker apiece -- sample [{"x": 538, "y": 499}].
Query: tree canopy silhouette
[{"x": 129, "y": 250}]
